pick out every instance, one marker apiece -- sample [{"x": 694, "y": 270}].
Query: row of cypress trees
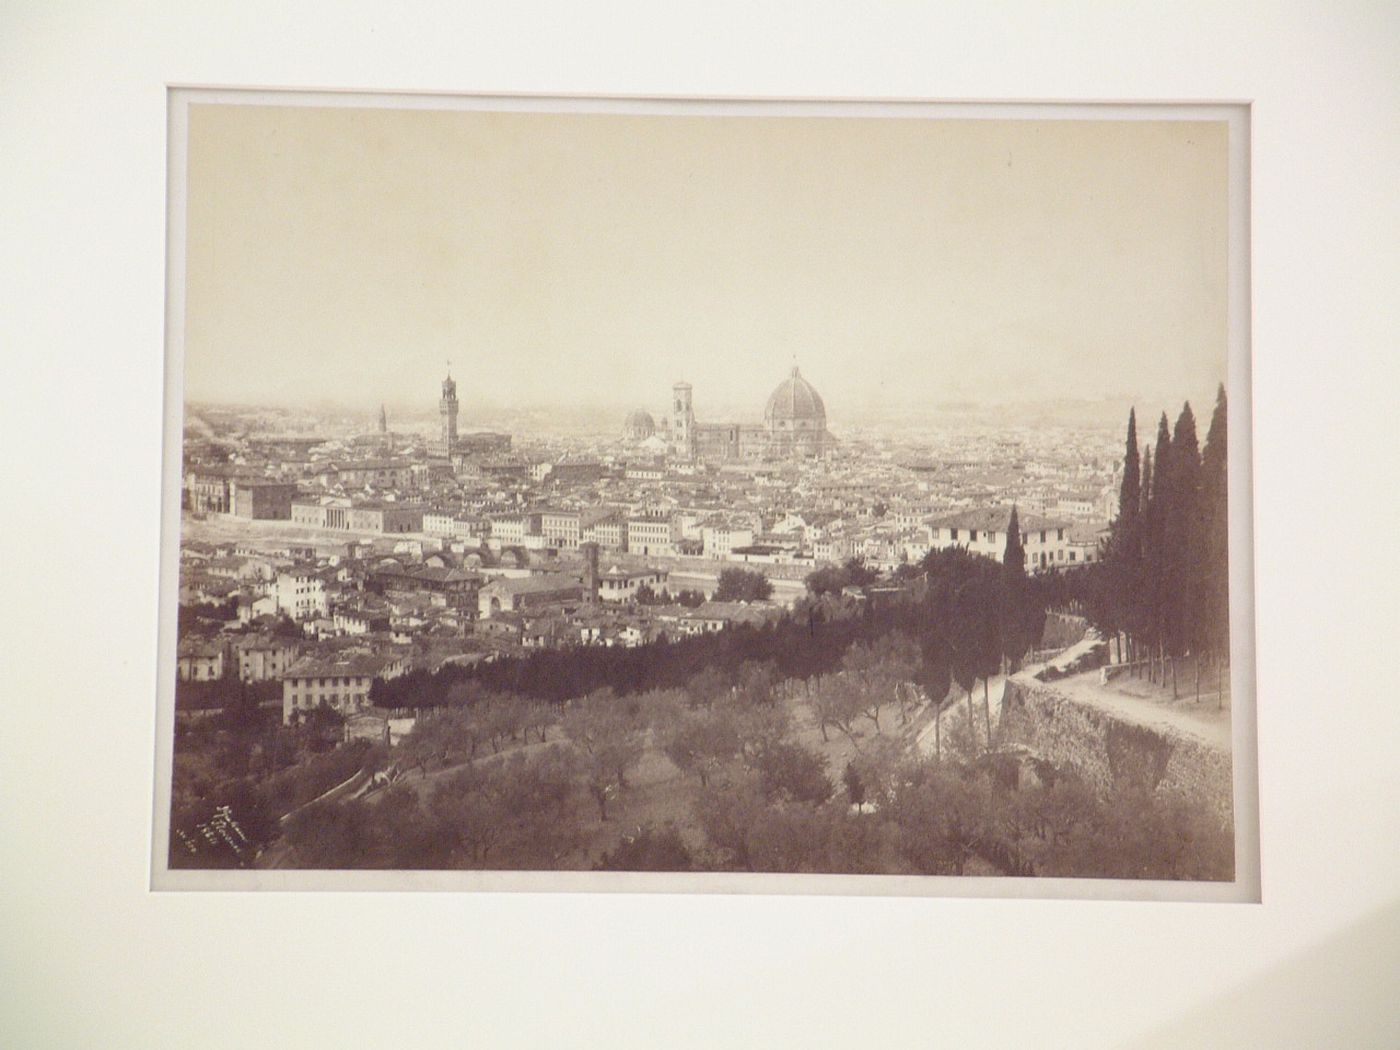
[{"x": 1162, "y": 588}]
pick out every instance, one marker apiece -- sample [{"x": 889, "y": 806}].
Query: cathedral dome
[
  {"x": 639, "y": 426},
  {"x": 795, "y": 399}
]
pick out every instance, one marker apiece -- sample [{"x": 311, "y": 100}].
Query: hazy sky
[{"x": 346, "y": 254}]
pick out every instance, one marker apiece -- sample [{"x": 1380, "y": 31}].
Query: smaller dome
[{"x": 639, "y": 426}]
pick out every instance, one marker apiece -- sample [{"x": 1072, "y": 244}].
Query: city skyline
[
  {"x": 578, "y": 258},
  {"x": 421, "y": 414},
  {"x": 556, "y": 418}
]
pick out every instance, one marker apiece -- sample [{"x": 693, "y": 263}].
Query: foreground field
[{"x": 658, "y": 793}]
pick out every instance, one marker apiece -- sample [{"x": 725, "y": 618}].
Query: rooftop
[
  {"x": 743, "y": 612},
  {"x": 351, "y": 666},
  {"x": 533, "y": 584},
  {"x": 618, "y": 573},
  {"x": 994, "y": 519}
]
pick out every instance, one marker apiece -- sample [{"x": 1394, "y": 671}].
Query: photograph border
[{"x": 1247, "y": 884}]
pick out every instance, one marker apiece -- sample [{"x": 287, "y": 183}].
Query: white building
[
  {"x": 470, "y": 528},
  {"x": 983, "y": 531},
  {"x": 330, "y": 513},
  {"x": 721, "y": 538},
  {"x": 261, "y": 658},
  {"x": 250, "y": 607},
  {"x": 300, "y": 594},
  {"x": 563, "y": 528},
  {"x": 622, "y": 585},
  {"x": 1085, "y": 542},
  {"x": 356, "y": 622},
  {"x": 832, "y": 549},
  {"x": 200, "y": 661},
  {"x": 342, "y": 685},
  {"x": 609, "y": 533},
  {"x": 513, "y": 528},
  {"x": 438, "y": 523},
  {"x": 654, "y": 536}
]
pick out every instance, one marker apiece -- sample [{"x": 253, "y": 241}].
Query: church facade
[{"x": 793, "y": 428}]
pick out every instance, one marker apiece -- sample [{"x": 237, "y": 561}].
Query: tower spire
[{"x": 447, "y": 408}]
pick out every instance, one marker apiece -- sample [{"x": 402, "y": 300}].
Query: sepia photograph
[{"x": 706, "y": 496}]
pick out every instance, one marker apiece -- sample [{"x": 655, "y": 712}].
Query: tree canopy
[
  {"x": 742, "y": 585},
  {"x": 1163, "y": 583}
]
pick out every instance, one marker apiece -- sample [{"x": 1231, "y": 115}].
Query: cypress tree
[
  {"x": 1216, "y": 545},
  {"x": 1155, "y": 566},
  {"x": 1184, "y": 535},
  {"x": 1140, "y": 602},
  {"x": 1015, "y": 599},
  {"x": 1124, "y": 553},
  {"x": 1013, "y": 559},
  {"x": 1130, "y": 492},
  {"x": 1146, "y": 483}
]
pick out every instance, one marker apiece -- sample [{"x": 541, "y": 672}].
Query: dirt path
[
  {"x": 422, "y": 780},
  {"x": 1200, "y": 721},
  {"x": 927, "y": 740}
]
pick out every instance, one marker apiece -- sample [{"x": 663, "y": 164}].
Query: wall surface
[{"x": 1107, "y": 750}]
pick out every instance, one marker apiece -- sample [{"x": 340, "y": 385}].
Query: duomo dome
[
  {"x": 793, "y": 428},
  {"x": 796, "y": 401}
]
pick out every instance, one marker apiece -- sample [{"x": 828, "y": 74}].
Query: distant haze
[{"x": 342, "y": 256}]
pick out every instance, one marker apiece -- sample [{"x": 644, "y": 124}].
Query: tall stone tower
[
  {"x": 682, "y": 422},
  {"x": 447, "y": 408},
  {"x": 383, "y": 421},
  {"x": 590, "y": 572}
]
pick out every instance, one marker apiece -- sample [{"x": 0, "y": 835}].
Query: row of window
[
  {"x": 989, "y": 536},
  {"x": 333, "y": 681},
  {"x": 333, "y": 699}
]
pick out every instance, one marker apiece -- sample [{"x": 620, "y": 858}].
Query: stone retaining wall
[{"x": 1108, "y": 751}]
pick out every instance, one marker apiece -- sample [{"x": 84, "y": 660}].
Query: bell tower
[
  {"x": 682, "y": 422},
  {"x": 447, "y": 409}
]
